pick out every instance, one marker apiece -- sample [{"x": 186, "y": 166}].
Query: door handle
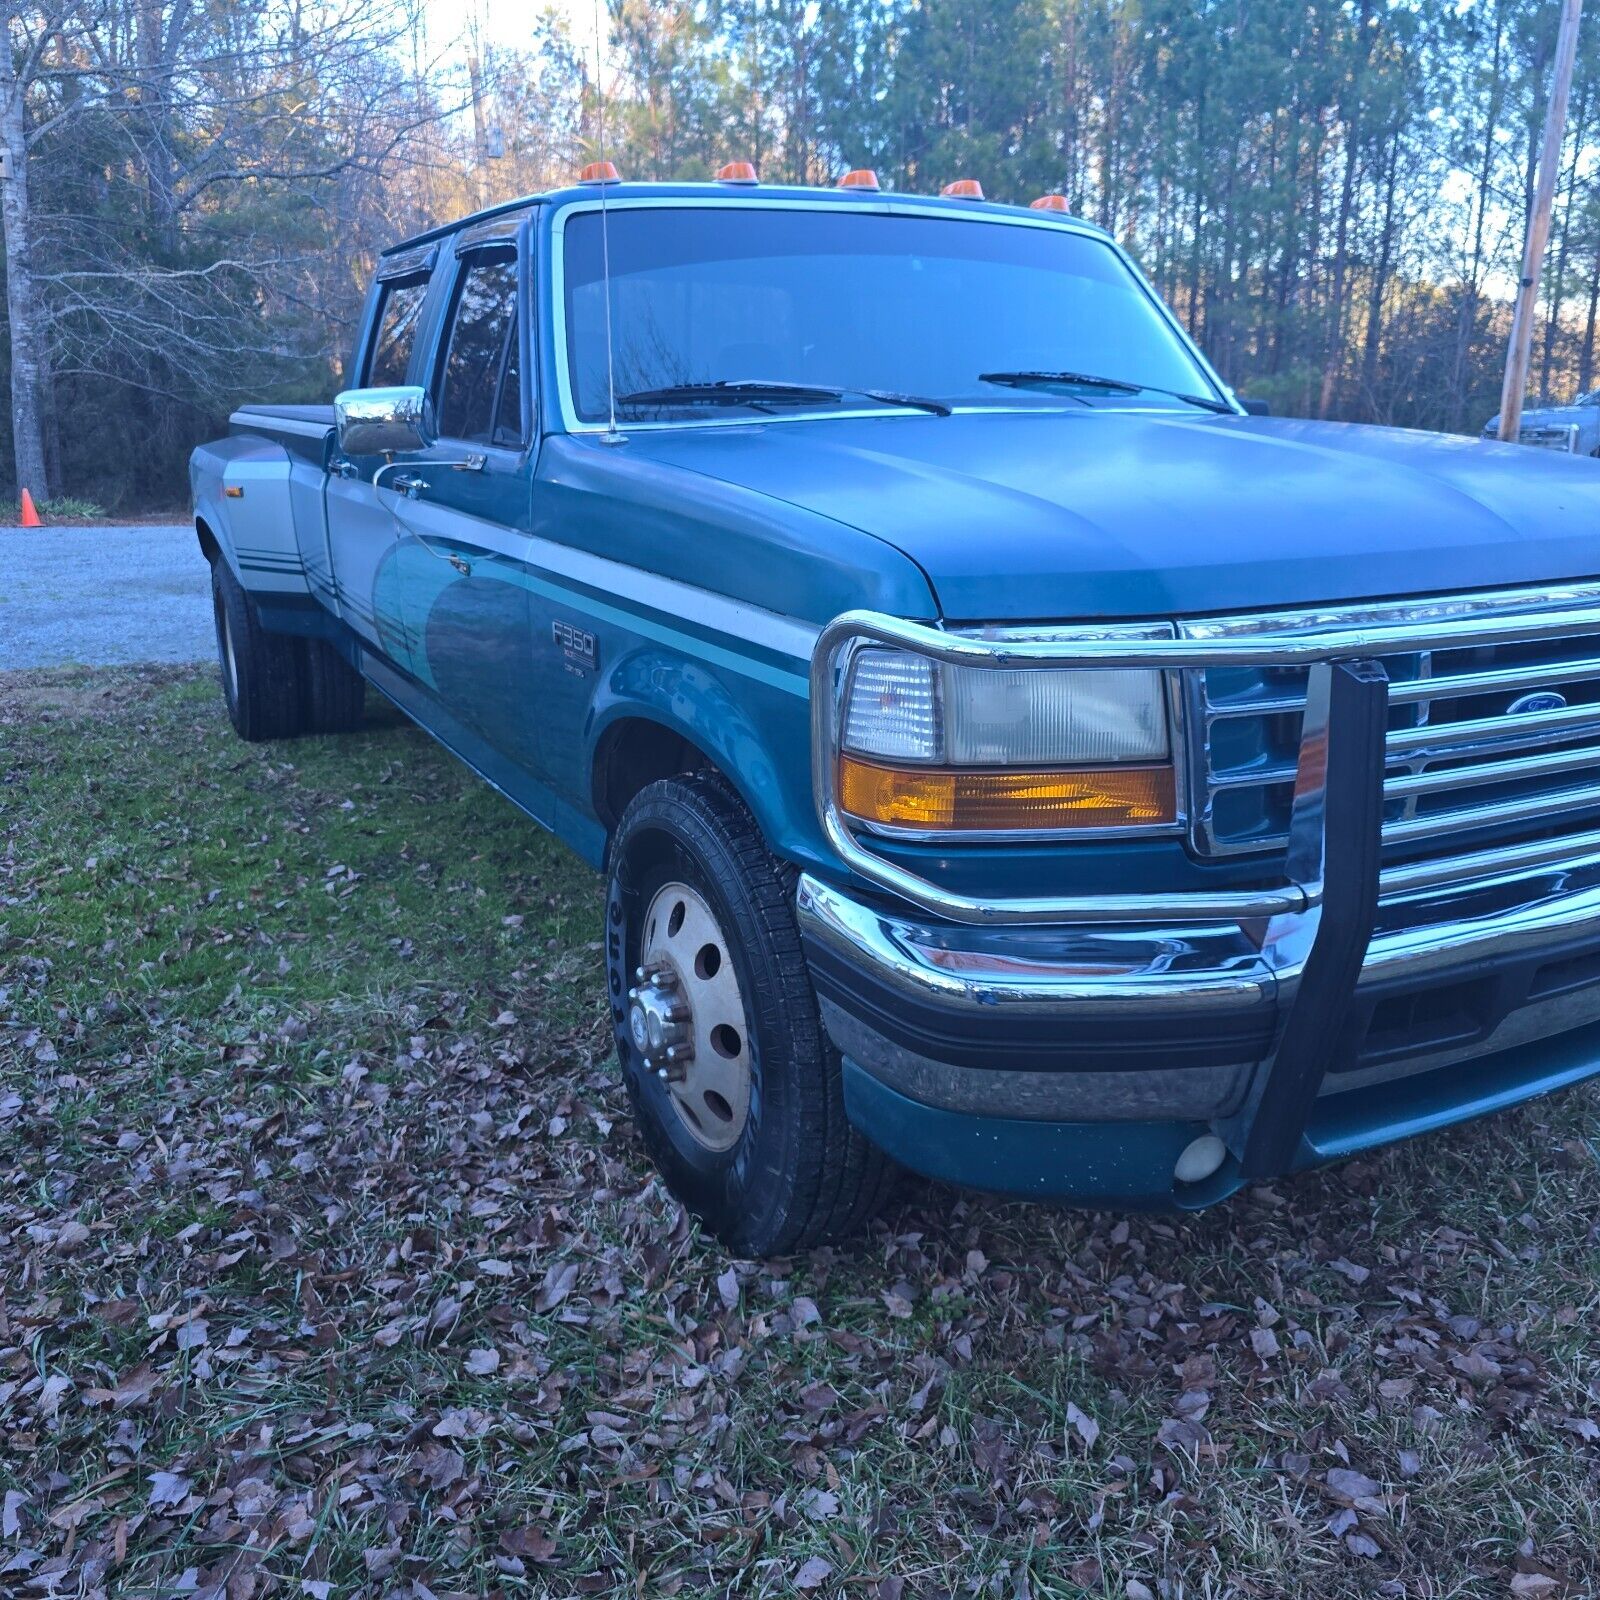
[{"x": 410, "y": 484}]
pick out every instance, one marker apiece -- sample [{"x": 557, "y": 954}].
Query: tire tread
[{"x": 840, "y": 1177}]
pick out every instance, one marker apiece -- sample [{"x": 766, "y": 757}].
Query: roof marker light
[
  {"x": 737, "y": 172},
  {"x": 599, "y": 172},
  {"x": 963, "y": 189},
  {"x": 860, "y": 178},
  {"x": 1050, "y": 202}
]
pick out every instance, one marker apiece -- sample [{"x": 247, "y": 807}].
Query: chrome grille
[{"x": 1499, "y": 737}]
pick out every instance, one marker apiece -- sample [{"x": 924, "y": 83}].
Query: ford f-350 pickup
[{"x": 1008, "y": 757}]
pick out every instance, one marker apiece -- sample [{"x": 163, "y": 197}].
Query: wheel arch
[{"x": 689, "y": 723}]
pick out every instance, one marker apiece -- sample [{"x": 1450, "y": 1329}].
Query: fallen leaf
[
  {"x": 529, "y": 1543},
  {"x": 1352, "y": 1486},
  {"x": 1086, "y": 1427},
  {"x": 818, "y": 1504},
  {"x": 169, "y": 1488},
  {"x": 558, "y": 1283},
  {"x": 73, "y": 1236},
  {"x": 1533, "y": 1585},
  {"x": 813, "y": 1573},
  {"x": 804, "y": 1311}
]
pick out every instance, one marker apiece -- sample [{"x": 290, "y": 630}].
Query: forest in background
[{"x": 1331, "y": 193}]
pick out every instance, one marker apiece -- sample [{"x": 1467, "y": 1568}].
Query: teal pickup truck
[{"x": 1011, "y": 757}]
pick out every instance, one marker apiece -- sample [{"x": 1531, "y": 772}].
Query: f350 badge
[{"x": 578, "y": 652}]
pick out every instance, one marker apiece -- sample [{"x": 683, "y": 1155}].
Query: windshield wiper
[
  {"x": 759, "y": 392},
  {"x": 1088, "y": 380}
]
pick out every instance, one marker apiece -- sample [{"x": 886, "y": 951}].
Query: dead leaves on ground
[{"x": 381, "y": 1297}]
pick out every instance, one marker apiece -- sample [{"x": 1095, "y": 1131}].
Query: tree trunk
[
  {"x": 1350, "y": 115},
  {"x": 1555, "y": 293},
  {"x": 1586, "y": 358},
  {"x": 22, "y": 299},
  {"x": 1380, "y": 280}
]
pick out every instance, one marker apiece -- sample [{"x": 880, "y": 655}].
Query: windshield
[{"x": 858, "y": 301}]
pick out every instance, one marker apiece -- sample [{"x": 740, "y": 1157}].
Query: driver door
[
  {"x": 363, "y": 536},
  {"x": 461, "y": 559}
]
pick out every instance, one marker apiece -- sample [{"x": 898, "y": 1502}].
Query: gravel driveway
[{"x": 102, "y": 596}]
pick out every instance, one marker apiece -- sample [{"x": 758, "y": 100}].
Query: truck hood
[{"x": 1105, "y": 513}]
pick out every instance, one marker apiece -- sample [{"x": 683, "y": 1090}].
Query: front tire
[
  {"x": 746, "y": 1120},
  {"x": 263, "y": 674}
]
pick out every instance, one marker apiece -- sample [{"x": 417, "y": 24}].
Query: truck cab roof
[{"x": 746, "y": 193}]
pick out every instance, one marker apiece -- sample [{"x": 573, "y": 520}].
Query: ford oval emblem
[{"x": 1539, "y": 700}]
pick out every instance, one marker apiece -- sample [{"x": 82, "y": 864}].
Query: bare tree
[
  {"x": 221, "y": 139},
  {"x": 21, "y": 51}
]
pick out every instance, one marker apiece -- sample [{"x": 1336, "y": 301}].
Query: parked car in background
[
  {"x": 1008, "y": 758},
  {"x": 1573, "y": 429}
]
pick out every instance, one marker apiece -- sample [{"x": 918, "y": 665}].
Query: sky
[{"x": 509, "y": 22}]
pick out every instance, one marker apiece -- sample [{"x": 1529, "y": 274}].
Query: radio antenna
[{"x": 610, "y": 436}]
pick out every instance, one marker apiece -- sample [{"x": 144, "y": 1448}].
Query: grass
[{"x": 331, "y": 1265}]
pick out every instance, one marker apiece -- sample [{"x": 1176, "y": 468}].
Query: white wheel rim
[{"x": 687, "y": 1017}]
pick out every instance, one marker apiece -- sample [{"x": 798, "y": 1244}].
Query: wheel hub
[
  {"x": 686, "y": 1016},
  {"x": 658, "y": 1016}
]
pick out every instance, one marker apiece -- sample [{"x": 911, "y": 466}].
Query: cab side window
[
  {"x": 399, "y": 312},
  {"x": 479, "y": 390}
]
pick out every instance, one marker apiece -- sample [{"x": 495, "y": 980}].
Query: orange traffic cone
[{"x": 30, "y": 512}]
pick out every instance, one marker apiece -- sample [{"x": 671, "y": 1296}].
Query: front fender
[{"x": 759, "y": 738}]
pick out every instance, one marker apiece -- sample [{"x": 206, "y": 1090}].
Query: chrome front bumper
[{"x": 1122, "y": 991}]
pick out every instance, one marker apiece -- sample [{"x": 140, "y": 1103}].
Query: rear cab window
[
  {"x": 400, "y": 303},
  {"x": 478, "y": 387}
]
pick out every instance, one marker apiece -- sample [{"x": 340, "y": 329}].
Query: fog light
[{"x": 1200, "y": 1159}]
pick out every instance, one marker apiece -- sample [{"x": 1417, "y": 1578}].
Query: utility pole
[
  {"x": 1555, "y": 122},
  {"x": 480, "y": 133}
]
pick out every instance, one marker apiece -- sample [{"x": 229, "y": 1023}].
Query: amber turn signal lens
[
  {"x": 860, "y": 178},
  {"x": 736, "y": 172},
  {"x": 1049, "y": 202},
  {"x": 956, "y": 802},
  {"x": 963, "y": 189},
  {"x": 599, "y": 172}
]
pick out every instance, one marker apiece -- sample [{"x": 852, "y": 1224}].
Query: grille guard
[{"x": 1315, "y": 927}]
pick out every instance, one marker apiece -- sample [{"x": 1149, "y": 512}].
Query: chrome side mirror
[{"x": 383, "y": 422}]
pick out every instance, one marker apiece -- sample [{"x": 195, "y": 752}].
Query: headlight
[{"x": 929, "y": 746}]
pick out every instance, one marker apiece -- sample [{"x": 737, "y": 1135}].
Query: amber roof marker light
[
  {"x": 599, "y": 172},
  {"x": 963, "y": 189},
  {"x": 860, "y": 178},
  {"x": 737, "y": 172},
  {"x": 1050, "y": 202}
]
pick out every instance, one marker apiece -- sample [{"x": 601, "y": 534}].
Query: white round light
[{"x": 1200, "y": 1159}]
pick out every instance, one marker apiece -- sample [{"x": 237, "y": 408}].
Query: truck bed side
[{"x": 258, "y": 498}]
